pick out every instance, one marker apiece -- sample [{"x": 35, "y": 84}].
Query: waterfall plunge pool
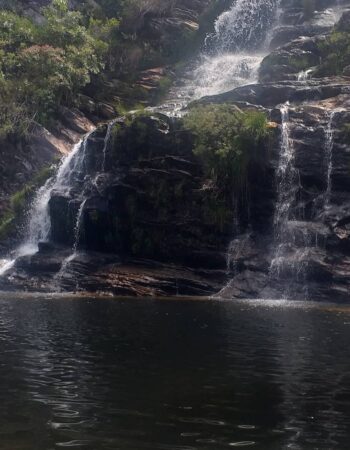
[{"x": 146, "y": 374}]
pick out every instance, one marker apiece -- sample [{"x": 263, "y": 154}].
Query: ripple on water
[
  {"x": 154, "y": 395},
  {"x": 74, "y": 443},
  {"x": 242, "y": 444}
]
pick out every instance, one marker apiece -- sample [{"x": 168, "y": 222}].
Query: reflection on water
[{"x": 110, "y": 374}]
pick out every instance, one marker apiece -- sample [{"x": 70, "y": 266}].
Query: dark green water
[{"x": 111, "y": 374}]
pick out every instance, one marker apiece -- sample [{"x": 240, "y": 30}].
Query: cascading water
[
  {"x": 236, "y": 48},
  {"x": 286, "y": 175},
  {"x": 232, "y": 55},
  {"x": 234, "y": 69},
  {"x": 39, "y": 224},
  {"x": 287, "y": 188},
  {"x": 106, "y": 143},
  {"x": 297, "y": 242},
  {"x": 244, "y": 27},
  {"x": 80, "y": 214},
  {"x": 304, "y": 75},
  {"x": 77, "y": 234},
  {"x": 235, "y": 251},
  {"x": 329, "y": 143}
]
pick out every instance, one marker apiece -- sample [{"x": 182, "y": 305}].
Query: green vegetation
[
  {"x": 44, "y": 66},
  {"x": 227, "y": 140},
  {"x": 335, "y": 53},
  {"x": 302, "y": 61},
  {"x": 48, "y": 61}
]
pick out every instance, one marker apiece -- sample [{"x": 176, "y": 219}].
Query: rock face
[
  {"x": 306, "y": 254},
  {"x": 143, "y": 198},
  {"x": 315, "y": 262},
  {"x": 141, "y": 219},
  {"x": 149, "y": 200},
  {"x": 23, "y": 159},
  {"x": 268, "y": 95}
]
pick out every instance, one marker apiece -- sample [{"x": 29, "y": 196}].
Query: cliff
[{"x": 143, "y": 215}]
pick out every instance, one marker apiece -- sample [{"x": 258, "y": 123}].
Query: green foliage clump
[
  {"x": 301, "y": 62},
  {"x": 335, "y": 54},
  {"x": 49, "y": 62},
  {"x": 227, "y": 140},
  {"x": 45, "y": 66}
]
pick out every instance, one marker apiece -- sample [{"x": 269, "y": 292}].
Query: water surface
[{"x": 145, "y": 374}]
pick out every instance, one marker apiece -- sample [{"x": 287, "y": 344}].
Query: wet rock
[
  {"x": 287, "y": 33},
  {"x": 269, "y": 95},
  {"x": 286, "y": 62},
  {"x": 346, "y": 71},
  {"x": 344, "y": 22},
  {"x": 314, "y": 261},
  {"x": 75, "y": 120},
  {"x": 106, "y": 111},
  {"x": 310, "y": 233}
]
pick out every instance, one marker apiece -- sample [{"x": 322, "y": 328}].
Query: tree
[{"x": 49, "y": 63}]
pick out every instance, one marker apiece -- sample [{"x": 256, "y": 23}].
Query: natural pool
[{"x": 145, "y": 374}]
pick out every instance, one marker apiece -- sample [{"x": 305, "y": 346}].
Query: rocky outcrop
[
  {"x": 149, "y": 224},
  {"x": 268, "y": 95},
  {"x": 287, "y": 62},
  {"x": 109, "y": 274},
  {"x": 141, "y": 218},
  {"x": 317, "y": 264},
  {"x": 305, "y": 19},
  {"x": 315, "y": 261},
  {"x": 149, "y": 204},
  {"x": 25, "y": 159}
]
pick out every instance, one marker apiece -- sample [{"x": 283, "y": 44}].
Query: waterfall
[
  {"x": 80, "y": 214},
  {"x": 236, "y": 48},
  {"x": 287, "y": 187},
  {"x": 232, "y": 54},
  {"x": 234, "y": 69},
  {"x": 78, "y": 224},
  {"x": 106, "y": 143},
  {"x": 236, "y": 250},
  {"x": 329, "y": 144},
  {"x": 286, "y": 175},
  {"x": 77, "y": 234},
  {"x": 39, "y": 224},
  {"x": 245, "y": 26},
  {"x": 304, "y": 75}
]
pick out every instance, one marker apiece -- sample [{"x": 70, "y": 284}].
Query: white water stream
[
  {"x": 287, "y": 186},
  {"x": 232, "y": 55},
  {"x": 39, "y": 224}
]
